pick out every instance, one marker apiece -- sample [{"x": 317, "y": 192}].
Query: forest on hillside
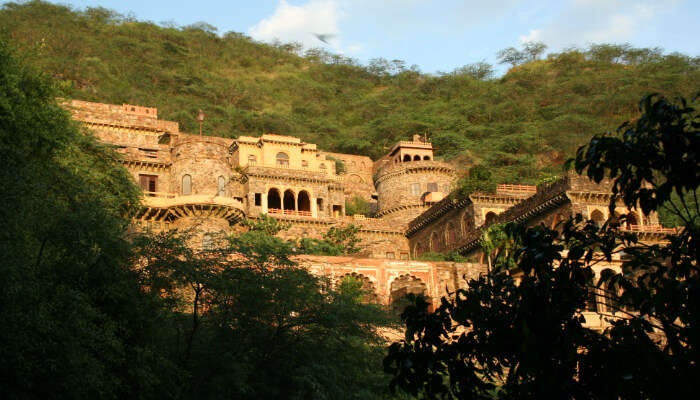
[{"x": 522, "y": 126}]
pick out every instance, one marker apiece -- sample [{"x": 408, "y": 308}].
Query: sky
[{"x": 435, "y": 35}]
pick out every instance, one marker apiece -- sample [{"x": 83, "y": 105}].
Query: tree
[
  {"x": 511, "y": 56},
  {"x": 519, "y": 333},
  {"x": 255, "y": 324},
  {"x": 76, "y": 322},
  {"x": 357, "y": 205},
  {"x": 479, "y": 71},
  {"x": 338, "y": 240},
  {"x": 479, "y": 179},
  {"x": 534, "y": 50}
]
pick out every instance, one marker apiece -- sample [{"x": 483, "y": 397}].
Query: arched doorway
[
  {"x": 598, "y": 218},
  {"x": 416, "y": 158},
  {"x": 288, "y": 202},
  {"x": 274, "y": 202},
  {"x": 402, "y": 287},
  {"x": 490, "y": 217},
  {"x": 355, "y": 281},
  {"x": 304, "y": 203},
  {"x": 407, "y": 157},
  {"x": 427, "y": 158}
]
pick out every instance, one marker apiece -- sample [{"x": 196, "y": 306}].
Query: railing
[
  {"x": 516, "y": 188},
  {"x": 288, "y": 212},
  {"x": 163, "y": 195},
  {"x": 649, "y": 228}
]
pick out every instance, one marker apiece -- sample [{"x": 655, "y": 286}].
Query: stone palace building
[{"x": 212, "y": 183}]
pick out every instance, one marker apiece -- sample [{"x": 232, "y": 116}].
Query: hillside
[{"x": 521, "y": 126}]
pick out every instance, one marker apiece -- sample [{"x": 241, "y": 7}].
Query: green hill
[{"x": 521, "y": 126}]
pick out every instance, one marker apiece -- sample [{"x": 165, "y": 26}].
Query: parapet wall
[
  {"x": 125, "y": 115},
  {"x": 385, "y": 277}
]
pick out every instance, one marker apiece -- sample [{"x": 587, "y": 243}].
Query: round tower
[
  {"x": 411, "y": 181},
  {"x": 201, "y": 181},
  {"x": 201, "y": 166}
]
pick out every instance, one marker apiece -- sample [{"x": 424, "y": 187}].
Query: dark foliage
[{"x": 517, "y": 332}]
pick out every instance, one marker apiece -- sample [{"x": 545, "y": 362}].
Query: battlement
[{"x": 125, "y": 115}]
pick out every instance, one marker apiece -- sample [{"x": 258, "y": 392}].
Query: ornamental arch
[
  {"x": 366, "y": 285},
  {"x": 404, "y": 285}
]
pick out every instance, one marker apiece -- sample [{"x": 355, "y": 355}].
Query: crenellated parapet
[{"x": 406, "y": 189}]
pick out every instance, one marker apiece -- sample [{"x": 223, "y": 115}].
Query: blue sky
[{"x": 436, "y": 35}]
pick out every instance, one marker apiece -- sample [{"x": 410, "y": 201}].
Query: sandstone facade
[{"x": 209, "y": 184}]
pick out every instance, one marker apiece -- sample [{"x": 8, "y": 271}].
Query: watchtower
[{"x": 411, "y": 180}]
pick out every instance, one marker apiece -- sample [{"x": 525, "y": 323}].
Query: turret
[{"x": 410, "y": 180}]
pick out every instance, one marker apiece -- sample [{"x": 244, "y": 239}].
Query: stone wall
[
  {"x": 377, "y": 239},
  {"x": 405, "y": 185},
  {"x": 357, "y": 178},
  {"x": 437, "y": 278},
  {"x": 124, "y": 115}
]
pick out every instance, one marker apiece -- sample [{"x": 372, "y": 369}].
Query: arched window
[
  {"x": 407, "y": 157},
  {"x": 416, "y": 158},
  {"x": 289, "y": 200},
  {"x": 186, "y": 185},
  {"x": 274, "y": 201},
  {"x": 304, "y": 202},
  {"x": 252, "y": 160},
  {"x": 221, "y": 186},
  {"x": 322, "y": 167},
  {"x": 426, "y": 158},
  {"x": 282, "y": 160}
]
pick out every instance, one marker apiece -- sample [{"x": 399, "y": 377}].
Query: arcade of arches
[{"x": 289, "y": 202}]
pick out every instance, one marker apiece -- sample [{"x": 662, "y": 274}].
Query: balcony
[
  {"x": 165, "y": 200},
  {"x": 650, "y": 229},
  {"x": 279, "y": 211}
]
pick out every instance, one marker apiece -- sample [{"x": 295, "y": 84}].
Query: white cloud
[
  {"x": 583, "y": 22},
  {"x": 290, "y": 23},
  {"x": 535, "y": 35}
]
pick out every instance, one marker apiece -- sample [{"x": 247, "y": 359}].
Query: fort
[{"x": 211, "y": 184}]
